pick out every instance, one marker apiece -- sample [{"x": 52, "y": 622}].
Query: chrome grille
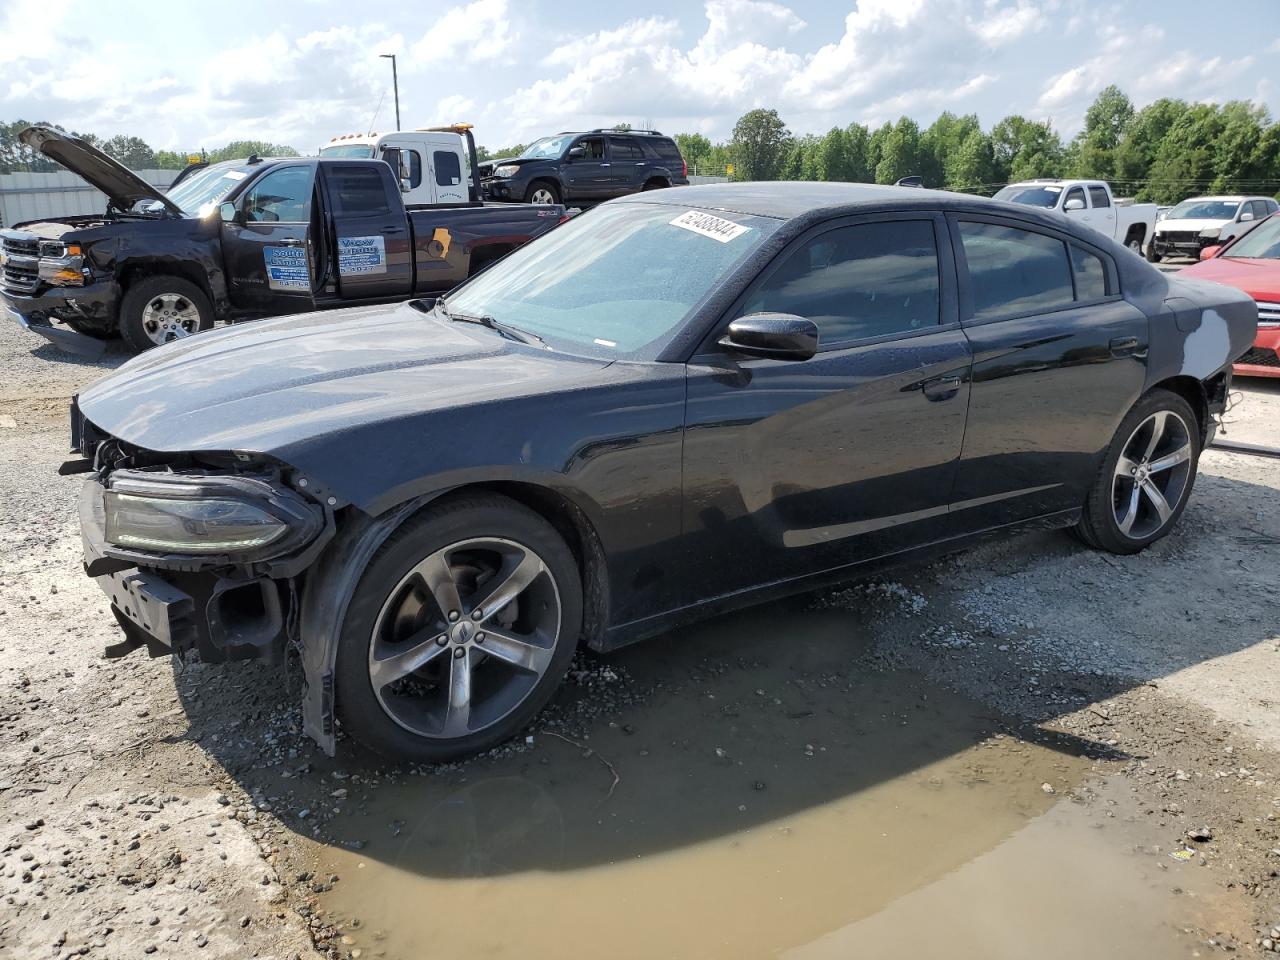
[
  {"x": 1268, "y": 312},
  {"x": 21, "y": 263}
]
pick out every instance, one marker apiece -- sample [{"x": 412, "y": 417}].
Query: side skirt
[{"x": 628, "y": 633}]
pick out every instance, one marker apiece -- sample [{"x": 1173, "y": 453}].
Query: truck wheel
[
  {"x": 163, "y": 308},
  {"x": 1146, "y": 476},
  {"x": 542, "y": 191},
  {"x": 1134, "y": 243},
  {"x": 655, "y": 184},
  {"x": 459, "y": 631},
  {"x": 1152, "y": 255}
]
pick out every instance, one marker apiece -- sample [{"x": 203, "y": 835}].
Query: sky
[{"x": 184, "y": 76}]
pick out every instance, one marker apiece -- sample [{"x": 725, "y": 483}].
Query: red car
[{"x": 1251, "y": 263}]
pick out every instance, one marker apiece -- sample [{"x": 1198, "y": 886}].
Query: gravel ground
[{"x": 149, "y": 810}]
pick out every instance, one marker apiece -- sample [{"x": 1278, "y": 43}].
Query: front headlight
[
  {"x": 188, "y": 526},
  {"x": 506, "y": 170},
  {"x": 241, "y": 517},
  {"x": 1212, "y": 233},
  {"x": 61, "y": 264}
]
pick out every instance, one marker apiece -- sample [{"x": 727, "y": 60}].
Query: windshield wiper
[{"x": 484, "y": 320}]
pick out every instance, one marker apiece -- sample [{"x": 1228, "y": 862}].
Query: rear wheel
[
  {"x": 459, "y": 631},
  {"x": 655, "y": 184},
  {"x": 1146, "y": 476},
  {"x": 160, "y": 309},
  {"x": 542, "y": 191}
]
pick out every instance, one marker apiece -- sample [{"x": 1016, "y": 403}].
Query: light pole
[{"x": 395, "y": 82}]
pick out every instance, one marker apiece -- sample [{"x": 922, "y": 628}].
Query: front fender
[{"x": 326, "y": 595}]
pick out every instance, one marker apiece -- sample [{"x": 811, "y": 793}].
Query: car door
[
  {"x": 1059, "y": 357},
  {"x": 796, "y": 467},
  {"x": 1102, "y": 214},
  {"x": 627, "y": 165},
  {"x": 587, "y": 175},
  {"x": 272, "y": 261},
  {"x": 372, "y": 248}
]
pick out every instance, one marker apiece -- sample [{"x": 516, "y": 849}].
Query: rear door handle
[
  {"x": 1124, "y": 346},
  {"x": 393, "y": 230},
  {"x": 291, "y": 242},
  {"x": 941, "y": 388}
]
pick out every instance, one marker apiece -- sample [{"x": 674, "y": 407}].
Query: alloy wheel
[
  {"x": 1151, "y": 475},
  {"x": 542, "y": 195},
  {"x": 170, "y": 316},
  {"x": 464, "y": 637}
]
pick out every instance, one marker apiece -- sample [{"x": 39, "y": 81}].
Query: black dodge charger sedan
[{"x": 680, "y": 403}]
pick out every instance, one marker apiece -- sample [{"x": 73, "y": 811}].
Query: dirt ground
[{"x": 150, "y": 810}]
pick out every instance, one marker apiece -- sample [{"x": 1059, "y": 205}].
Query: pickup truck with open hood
[{"x": 239, "y": 240}]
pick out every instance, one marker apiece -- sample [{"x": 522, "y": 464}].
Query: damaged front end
[{"x": 200, "y": 554}]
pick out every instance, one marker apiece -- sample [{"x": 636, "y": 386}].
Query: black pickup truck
[{"x": 239, "y": 240}]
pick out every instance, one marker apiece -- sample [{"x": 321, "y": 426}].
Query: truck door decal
[
  {"x": 287, "y": 268},
  {"x": 361, "y": 255}
]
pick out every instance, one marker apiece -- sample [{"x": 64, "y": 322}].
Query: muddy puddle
[{"x": 776, "y": 796}]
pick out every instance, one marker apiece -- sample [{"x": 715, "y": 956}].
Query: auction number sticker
[
  {"x": 287, "y": 268},
  {"x": 361, "y": 255},
  {"x": 717, "y": 228}
]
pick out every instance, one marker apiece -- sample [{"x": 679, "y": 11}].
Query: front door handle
[
  {"x": 941, "y": 388},
  {"x": 1124, "y": 346},
  {"x": 393, "y": 230},
  {"x": 291, "y": 242}
]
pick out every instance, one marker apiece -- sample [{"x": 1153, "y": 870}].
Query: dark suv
[{"x": 592, "y": 166}]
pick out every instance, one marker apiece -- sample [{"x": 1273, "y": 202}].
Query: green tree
[
  {"x": 240, "y": 149},
  {"x": 941, "y": 140},
  {"x": 857, "y": 154},
  {"x": 1238, "y": 164},
  {"x": 1092, "y": 153},
  {"x": 1185, "y": 161},
  {"x": 133, "y": 152},
  {"x": 970, "y": 166},
  {"x": 694, "y": 147},
  {"x": 1137, "y": 148},
  {"x": 899, "y": 152},
  {"x": 759, "y": 145},
  {"x": 1024, "y": 149}
]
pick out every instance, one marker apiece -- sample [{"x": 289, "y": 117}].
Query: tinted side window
[
  {"x": 358, "y": 191},
  {"x": 859, "y": 281},
  {"x": 448, "y": 168},
  {"x": 1014, "y": 271},
  {"x": 625, "y": 149},
  {"x": 592, "y": 148},
  {"x": 281, "y": 196},
  {"x": 1090, "y": 273},
  {"x": 1259, "y": 210},
  {"x": 1099, "y": 196}
]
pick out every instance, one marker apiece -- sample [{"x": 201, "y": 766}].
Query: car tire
[
  {"x": 1134, "y": 243},
  {"x": 1152, "y": 255},
  {"x": 415, "y": 684},
  {"x": 655, "y": 184},
  {"x": 542, "y": 191},
  {"x": 1146, "y": 476},
  {"x": 159, "y": 309}
]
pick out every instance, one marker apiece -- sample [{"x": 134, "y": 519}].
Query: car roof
[
  {"x": 787, "y": 199},
  {"x": 1233, "y": 198}
]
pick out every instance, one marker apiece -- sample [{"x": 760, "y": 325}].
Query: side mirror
[
  {"x": 227, "y": 212},
  {"x": 576, "y": 153},
  {"x": 1075, "y": 203},
  {"x": 1208, "y": 253},
  {"x": 1245, "y": 217},
  {"x": 404, "y": 185},
  {"x": 775, "y": 336}
]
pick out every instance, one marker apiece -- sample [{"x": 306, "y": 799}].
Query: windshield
[
  {"x": 1204, "y": 210},
  {"x": 201, "y": 192},
  {"x": 360, "y": 151},
  {"x": 1260, "y": 243},
  {"x": 545, "y": 148},
  {"x": 1032, "y": 196},
  {"x": 617, "y": 282}
]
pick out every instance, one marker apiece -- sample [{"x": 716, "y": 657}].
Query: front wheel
[
  {"x": 1152, "y": 255},
  {"x": 542, "y": 191},
  {"x": 459, "y": 630},
  {"x": 1135, "y": 243},
  {"x": 160, "y": 309},
  {"x": 1146, "y": 476}
]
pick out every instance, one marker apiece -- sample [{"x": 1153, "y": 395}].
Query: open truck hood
[{"x": 122, "y": 186}]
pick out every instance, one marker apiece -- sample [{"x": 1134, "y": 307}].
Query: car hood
[
  {"x": 276, "y": 385},
  {"x": 1166, "y": 225},
  {"x": 1258, "y": 278},
  {"x": 122, "y": 186}
]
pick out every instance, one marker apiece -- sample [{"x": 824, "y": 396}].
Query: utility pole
[{"x": 395, "y": 82}]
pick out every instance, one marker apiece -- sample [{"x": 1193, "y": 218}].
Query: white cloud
[{"x": 479, "y": 31}]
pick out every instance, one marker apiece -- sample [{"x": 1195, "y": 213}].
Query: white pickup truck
[{"x": 1091, "y": 202}]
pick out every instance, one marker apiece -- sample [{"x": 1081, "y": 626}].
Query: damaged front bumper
[
  {"x": 214, "y": 608},
  {"x": 47, "y": 314}
]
